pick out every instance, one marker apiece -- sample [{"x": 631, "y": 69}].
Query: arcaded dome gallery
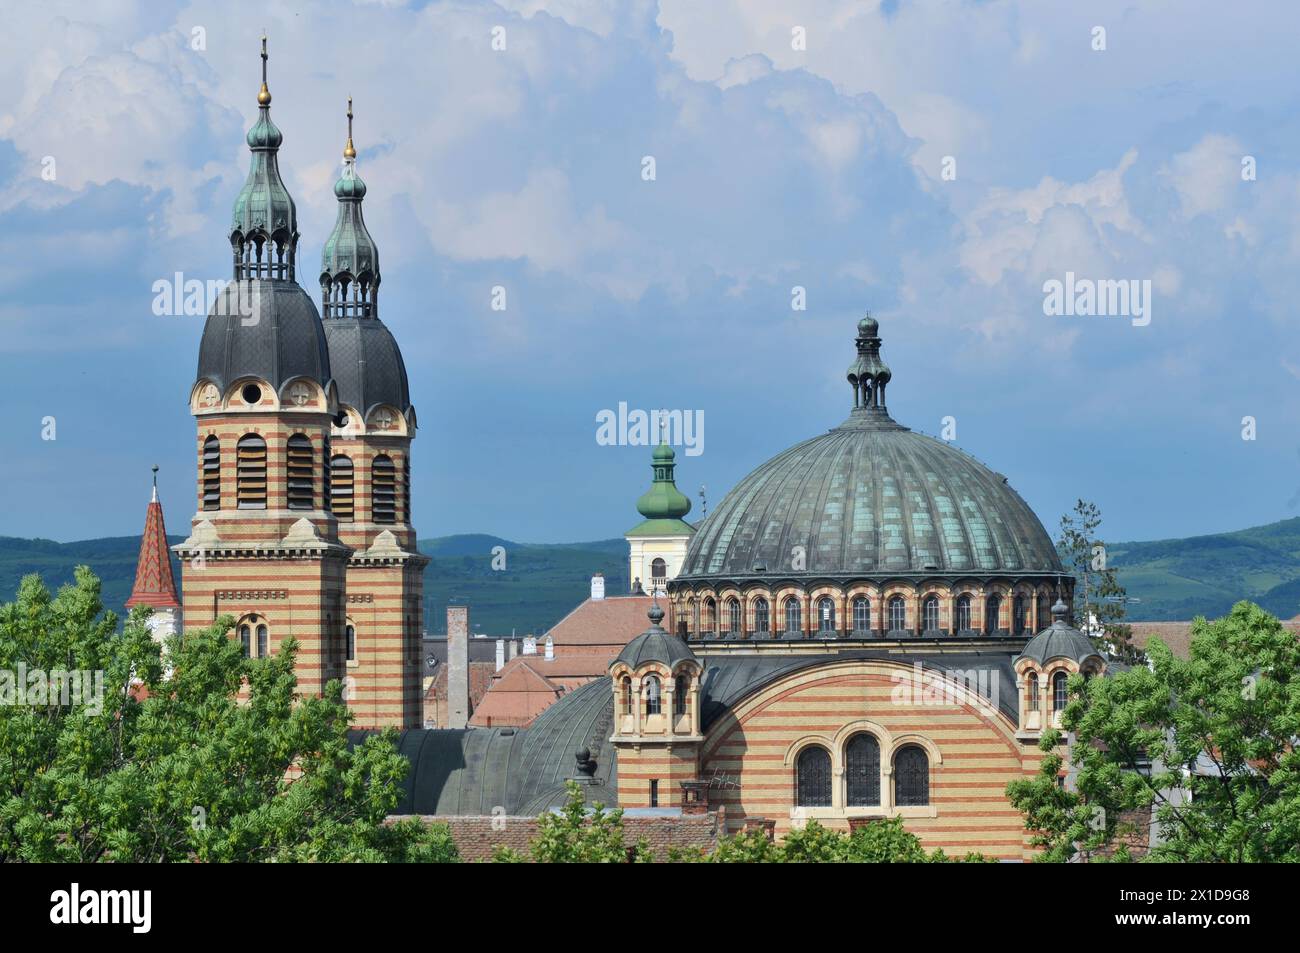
[{"x": 872, "y": 624}]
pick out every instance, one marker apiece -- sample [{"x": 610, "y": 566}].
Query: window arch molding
[{"x": 864, "y": 726}]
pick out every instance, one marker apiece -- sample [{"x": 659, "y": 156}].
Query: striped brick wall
[
  {"x": 670, "y": 765},
  {"x": 749, "y": 756}
]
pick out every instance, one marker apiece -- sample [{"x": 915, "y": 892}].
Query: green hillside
[{"x": 1173, "y": 578}]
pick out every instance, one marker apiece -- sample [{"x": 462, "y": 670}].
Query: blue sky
[{"x": 775, "y": 167}]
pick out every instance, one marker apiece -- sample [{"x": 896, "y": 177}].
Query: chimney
[
  {"x": 550, "y": 649},
  {"x": 457, "y": 665},
  {"x": 597, "y": 587},
  {"x": 514, "y": 648},
  {"x": 530, "y": 645},
  {"x": 501, "y": 654}
]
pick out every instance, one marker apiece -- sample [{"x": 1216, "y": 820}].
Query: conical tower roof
[{"x": 154, "y": 584}]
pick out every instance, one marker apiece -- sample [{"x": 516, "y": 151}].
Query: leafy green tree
[
  {"x": 1099, "y": 599},
  {"x": 1221, "y": 724},
  {"x": 172, "y": 766},
  {"x": 576, "y": 835}
]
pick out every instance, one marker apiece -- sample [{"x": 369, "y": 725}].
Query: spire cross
[
  {"x": 663, "y": 428},
  {"x": 263, "y": 58},
  {"x": 264, "y": 94},
  {"x": 155, "y": 483}
]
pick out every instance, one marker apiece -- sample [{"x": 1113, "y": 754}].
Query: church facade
[{"x": 304, "y": 428}]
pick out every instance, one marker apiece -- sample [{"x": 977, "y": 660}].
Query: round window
[{"x": 252, "y": 394}]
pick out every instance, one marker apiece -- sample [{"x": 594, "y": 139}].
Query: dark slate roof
[
  {"x": 868, "y": 497},
  {"x": 655, "y": 645},
  {"x": 367, "y": 364},
  {"x": 522, "y": 771},
  {"x": 282, "y": 338},
  {"x": 1059, "y": 640},
  {"x": 480, "y": 649}
]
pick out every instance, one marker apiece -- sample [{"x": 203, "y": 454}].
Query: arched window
[
  {"x": 263, "y": 648},
  {"x": 1033, "y": 691},
  {"x": 793, "y": 617},
  {"x": 963, "y": 614},
  {"x": 350, "y": 641},
  {"x": 1018, "y": 615},
  {"x": 246, "y": 640},
  {"x": 300, "y": 469},
  {"x": 813, "y": 777},
  {"x": 911, "y": 777},
  {"x": 826, "y": 615},
  {"x": 250, "y": 472},
  {"x": 731, "y": 623},
  {"x": 658, "y": 574},
  {"x": 992, "y": 614},
  {"x": 679, "y": 695},
  {"x": 1044, "y": 612},
  {"x": 762, "y": 618},
  {"x": 861, "y": 614},
  {"x": 341, "y": 488},
  {"x": 710, "y": 615},
  {"x": 653, "y": 705},
  {"x": 212, "y": 473},
  {"x": 862, "y": 765},
  {"x": 930, "y": 614},
  {"x": 897, "y": 614},
  {"x": 695, "y": 618},
  {"x": 383, "y": 492},
  {"x": 1059, "y": 693},
  {"x": 627, "y": 695}
]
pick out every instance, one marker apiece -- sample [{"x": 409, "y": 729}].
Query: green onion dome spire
[
  {"x": 349, "y": 266},
  {"x": 264, "y": 222},
  {"x": 663, "y": 501}
]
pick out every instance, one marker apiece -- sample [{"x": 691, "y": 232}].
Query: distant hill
[
  {"x": 1174, "y": 578},
  {"x": 540, "y": 584}
]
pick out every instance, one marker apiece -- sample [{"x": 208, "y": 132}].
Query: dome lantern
[{"x": 868, "y": 374}]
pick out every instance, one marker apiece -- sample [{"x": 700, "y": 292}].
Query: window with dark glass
[
  {"x": 300, "y": 470},
  {"x": 930, "y": 613},
  {"x": 627, "y": 695},
  {"x": 212, "y": 473},
  {"x": 1044, "y": 613},
  {"x": 761, "y": 619},
  {"x": 1059, "y": 693},
  {"x": 246, "y": 640},
  {"x": 826, "y": 615},
  {"x": 1018, "y": 614},
  {"x": 862, "y": 767},
  {"x": 993, "y": 614},
  {"x": 733, "y": 617},
  {"x": 653, "y": 704},
  {"x": 654, "y": 792},
  {"x": 963, "y": 613},
  {"x": 262, "y": 642},
  {"x": 813, "y": 777},
  {"x": 350, "y": 638},
  {"x": 383, "y": 492},
  {"x": 897, "y": 614},
  {"x": 679, "y": 695},
  {"x": 793, "y": 617},
  {"x": 861, "y": 614},
  {"x": 911, "y": 777},
  {"x": 1033, "y": 692},
  {"x": 710, "y": 619}
]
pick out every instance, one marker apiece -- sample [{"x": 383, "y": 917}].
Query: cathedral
[
  {"x": 302, "y": 455},
  {"x": 872, "y": 624}
]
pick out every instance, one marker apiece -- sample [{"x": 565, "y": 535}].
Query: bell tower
[
  {"x": 370, "y": 471},
  {"x": 264, "y": 545},
  {"x": 657, "y": 545}
]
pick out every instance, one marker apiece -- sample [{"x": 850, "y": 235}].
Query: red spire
[{"x": 154, "y": 585}]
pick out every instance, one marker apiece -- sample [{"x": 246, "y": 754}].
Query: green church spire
[
  {"x": 663, "y": 505},
  {"x": 264, "y": 222},
  {"x": 349, "y": 262}
]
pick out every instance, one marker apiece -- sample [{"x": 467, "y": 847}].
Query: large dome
[
  {"x": 871, "y": 497},
  {"x": 263, "y": 328}
]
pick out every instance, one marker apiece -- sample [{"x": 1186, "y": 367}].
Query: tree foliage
[
  {"x": 1099, "y": 599},
  {"x": 174, "y": 766},
  {"x": 1220, "y": 726}
]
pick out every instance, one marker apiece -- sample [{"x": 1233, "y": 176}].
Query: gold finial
[
  {"x": 348, "y": 151},
  {"x": 264, "y": 94}
]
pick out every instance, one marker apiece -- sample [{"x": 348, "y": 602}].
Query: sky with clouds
[{"x": 775, "y": 167}]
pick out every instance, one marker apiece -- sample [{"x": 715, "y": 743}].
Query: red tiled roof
[
  {"x": 1178, "y": 635},
  {"x": 154, "y": 585},
  {"x": 614, "y": 621}
]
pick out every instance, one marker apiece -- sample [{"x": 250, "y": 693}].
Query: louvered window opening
[
  {"x": 212, "y": 474},
  {"x": 301, "y": 467},
  {"x": 250, "y": 473},
  {"x": 342, "y": 501},
  {"x": 384, "y": 491}
]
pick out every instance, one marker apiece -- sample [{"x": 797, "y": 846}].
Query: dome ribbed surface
[
  {"x": 281, "y": 339},
  {"x": 869, "y": 497}
]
